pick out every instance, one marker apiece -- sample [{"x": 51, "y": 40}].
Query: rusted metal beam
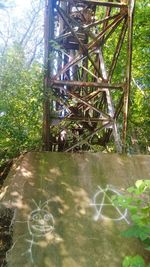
[
  {"x": 85, "y": 139},
  {"x": 107, "y": 14},
  {"x": 86, "y": 84},
  {"x": 91, "y": 96},
  {"x": 90, "y": 106},
  {"x": 118, "y": 50},
  {"x": 128, "y": 77},
  {"x": 71, "y": 63},
  {"x": 97, "y": 40},
  {"x": 100, "y": 3},
  {"x": 84, "y": 49},
  {"x": 88, "y": 119},
  {"x": 80, "y": 56},
  {"x": 98, "y": 22},
  {"x": 116, "y": 115},
  {"x": 85, "y": 28},
  {"x": 110, "y": 105},
  {"x": 112, "y": 31}
]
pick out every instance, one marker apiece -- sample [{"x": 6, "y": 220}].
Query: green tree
[
  {"x": 20, "y": 104},
  {"x": 139, "y": 118}
]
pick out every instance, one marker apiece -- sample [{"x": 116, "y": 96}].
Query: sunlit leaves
[
  {"x": 137, "y": 201},
  {"x": 139, "y": 123},
  {"x": 20, "y": 104},
  {"x": 136, "y": 261}
]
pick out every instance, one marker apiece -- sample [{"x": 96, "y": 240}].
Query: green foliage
[
  {"x": 136, "y": 261},
  {"x": 139, "y": 137},
  {"x": 137, "y": 201},
  {"x": 20, "y": 104}
]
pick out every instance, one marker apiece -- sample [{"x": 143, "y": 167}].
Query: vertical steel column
[{"x": 129, "y": 68}]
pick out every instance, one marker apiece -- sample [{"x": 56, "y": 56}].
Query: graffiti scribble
[{"x": 102, "y": 199}]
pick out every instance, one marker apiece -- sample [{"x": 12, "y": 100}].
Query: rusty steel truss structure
[{"x": 88, "y": 53}]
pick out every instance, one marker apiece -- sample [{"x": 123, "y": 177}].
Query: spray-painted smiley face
[{"x": 40, "y": 222}]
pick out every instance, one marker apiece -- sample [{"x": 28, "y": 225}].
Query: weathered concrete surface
[{"x": 55, "y": 221}]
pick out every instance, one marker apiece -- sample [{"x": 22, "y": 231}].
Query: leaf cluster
[
  {"x": 136, "y": 261},
  {"x": 137, "y": 201}
]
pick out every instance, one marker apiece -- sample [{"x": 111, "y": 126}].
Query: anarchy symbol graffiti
[{"x": 102, "y": 200}]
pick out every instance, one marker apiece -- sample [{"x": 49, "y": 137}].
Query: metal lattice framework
[{"x": 88, "y": 51}]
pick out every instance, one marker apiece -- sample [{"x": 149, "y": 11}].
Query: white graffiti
[
  {"x": 40, "y": 221},
  {"x": 102, "y": 200}
]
